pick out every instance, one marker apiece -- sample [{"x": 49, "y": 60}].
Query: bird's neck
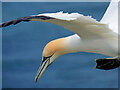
[
  {"x": 75, "y": 44},
  {"x": 71, "y": 44}
]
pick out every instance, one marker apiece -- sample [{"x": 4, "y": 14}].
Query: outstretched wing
[
  {"x": 25, "y": 19},
  {"x": 84, "y": 26},
  {"x": 111, "y": 16}
]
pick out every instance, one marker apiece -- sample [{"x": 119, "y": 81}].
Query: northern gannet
[{"x": 91, "y": 36}]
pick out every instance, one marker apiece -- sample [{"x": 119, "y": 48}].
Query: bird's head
[{"x": 52, "y": 50}]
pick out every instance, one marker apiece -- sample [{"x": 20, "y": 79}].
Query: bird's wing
[
  {"x": 111, "y": 16},
  {"x": 84, "y": 26}
]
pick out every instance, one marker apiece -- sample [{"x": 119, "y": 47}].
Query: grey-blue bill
[{"x": 44, "y": 65}]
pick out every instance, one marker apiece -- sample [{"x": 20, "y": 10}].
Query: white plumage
[{"x": 90, "y": 35}]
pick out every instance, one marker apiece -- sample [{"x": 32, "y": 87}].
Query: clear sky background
[{"x": 23, "y": 45}]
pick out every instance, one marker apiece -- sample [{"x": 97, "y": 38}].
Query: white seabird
[{"x": 91, "y": 36}]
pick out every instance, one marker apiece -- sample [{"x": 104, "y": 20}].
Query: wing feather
[
  {"x": 25, "y": 19},
  {"x": 84, "y": 26}
]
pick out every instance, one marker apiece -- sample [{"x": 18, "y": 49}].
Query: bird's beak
[{"x": 42, "y": 68}]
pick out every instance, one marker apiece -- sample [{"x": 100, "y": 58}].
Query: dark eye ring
[{"x": 45, "y": 58}]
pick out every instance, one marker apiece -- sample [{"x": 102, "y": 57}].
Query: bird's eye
[{"x": 45, "y": 58}]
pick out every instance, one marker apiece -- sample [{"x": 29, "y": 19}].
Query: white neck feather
[{"x": 75, "y": 44}]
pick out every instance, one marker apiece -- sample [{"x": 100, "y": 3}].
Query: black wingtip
[
  {"x": 108, "y": 63},
  {"x": 6, "y": 24},
  {"x": 14, "y": 22},
  {"x": 25, "y": 19}
]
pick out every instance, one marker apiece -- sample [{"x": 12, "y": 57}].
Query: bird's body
[
  {"x": 90, "y": 36},
  {"x": 104, "y": 43},
  {"x": 108, "y": 46}
]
